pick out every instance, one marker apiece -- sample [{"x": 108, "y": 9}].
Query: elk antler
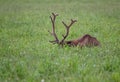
[
  {"x": 67, "y": 30},
  {"x": 53, "y": 17},
  {"x": 86, "y": 40}
]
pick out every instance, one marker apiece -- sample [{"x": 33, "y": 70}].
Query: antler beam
[
  {"x": 67, "y": 29},
  {"x": 53, "y": 17}
]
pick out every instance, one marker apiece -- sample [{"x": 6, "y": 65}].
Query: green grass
[{"x": 27, "y": 56}]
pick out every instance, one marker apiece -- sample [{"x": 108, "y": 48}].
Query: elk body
[{"x": 86, "y": 40}]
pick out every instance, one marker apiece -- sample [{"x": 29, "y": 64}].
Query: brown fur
[{"x": 86, "y": 40}]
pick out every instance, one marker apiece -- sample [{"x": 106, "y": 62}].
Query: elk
[{"x": 87, "y": 40}]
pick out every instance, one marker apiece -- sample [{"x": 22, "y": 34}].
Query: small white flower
[{"x": 42, "y": 80}]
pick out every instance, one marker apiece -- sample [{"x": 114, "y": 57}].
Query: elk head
[{"x": 86, "y": 40}]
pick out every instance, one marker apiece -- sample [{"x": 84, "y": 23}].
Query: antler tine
[
  {"x": 72, "y": 21},
  {"x": 64, "y": 24},
  {"x": 53, "y": 17},
  {"x": 67, "y": 29}
]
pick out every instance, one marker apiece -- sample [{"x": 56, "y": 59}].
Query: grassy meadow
[{"x": 27, "y": 56}]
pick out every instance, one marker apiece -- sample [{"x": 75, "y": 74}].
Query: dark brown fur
[{"x": 86, "y": 40}]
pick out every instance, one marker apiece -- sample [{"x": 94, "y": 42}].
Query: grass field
[{"x": 27, "y": 56}]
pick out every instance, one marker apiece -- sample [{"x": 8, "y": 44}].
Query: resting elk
[{"x": 87, "y": 40}]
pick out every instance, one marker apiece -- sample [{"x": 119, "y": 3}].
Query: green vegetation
[{"x": 27, "y": 56}]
